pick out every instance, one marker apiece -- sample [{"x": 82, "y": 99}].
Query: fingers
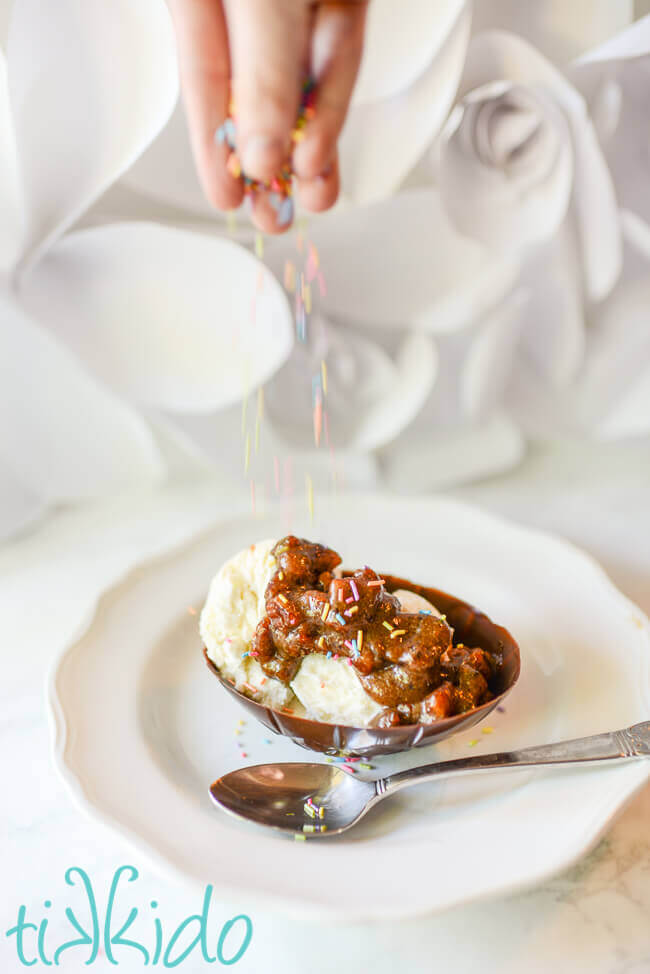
[
  {"x": 269, "y": 50},
  {"x": 204, "y": 65},
  {"x": 337, "y": 46},
  {"x": 321, "y": 193}
]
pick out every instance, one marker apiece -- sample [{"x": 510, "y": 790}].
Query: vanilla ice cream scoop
[{"x": 234, "y": 606}]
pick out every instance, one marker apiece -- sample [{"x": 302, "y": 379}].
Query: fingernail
[{"x": 261, "y": 156}]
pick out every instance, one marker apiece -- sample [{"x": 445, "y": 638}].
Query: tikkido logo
[{"x": 95, "y": 940}]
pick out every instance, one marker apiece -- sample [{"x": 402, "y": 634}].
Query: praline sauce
[{"x": 406, "y": 661}]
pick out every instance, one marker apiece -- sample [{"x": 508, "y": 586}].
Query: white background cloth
[{"x": 595, "y": 917}]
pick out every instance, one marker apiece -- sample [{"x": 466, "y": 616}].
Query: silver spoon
[{"x": 289, "y": 797}]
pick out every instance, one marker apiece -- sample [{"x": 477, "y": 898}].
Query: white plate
[{"x": 141, "y": 727}]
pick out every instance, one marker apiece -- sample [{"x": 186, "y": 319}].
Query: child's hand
[{"x": 266, "y": 48}]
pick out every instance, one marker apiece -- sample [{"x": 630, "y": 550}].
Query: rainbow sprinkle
[
  {"x": 280, "y": 187},
  {"x": 290, "y": 276}
]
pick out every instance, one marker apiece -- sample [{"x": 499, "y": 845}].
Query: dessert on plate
[{"x": 291, "y": 630}]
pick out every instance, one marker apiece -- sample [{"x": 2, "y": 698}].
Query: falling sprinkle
[
  {"x": 247, "y": 453},
  {"x": 231, "y": 220},
  {"x": 318, "y": 418},
  {"x": 244, "y": 410},
  {"x": 323, "y": 374},
  {"x": 259, "y": 245},
  {"x": 312, "y": 263},
  {"x": 306, "y": 296},
  {"x": 290, "y": 276},
  {"x": 321, "y": 284}
]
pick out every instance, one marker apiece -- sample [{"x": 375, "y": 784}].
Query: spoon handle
[{"x": 630, "y": 743}]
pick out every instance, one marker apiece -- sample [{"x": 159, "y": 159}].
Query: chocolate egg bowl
[{"x": 470, "y": 627}]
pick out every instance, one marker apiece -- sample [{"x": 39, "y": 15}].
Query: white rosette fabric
[
  {"x": 523, "y": 167},
  {"x": 519, "y": 150}
]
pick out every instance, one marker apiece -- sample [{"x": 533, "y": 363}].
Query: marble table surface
[{"x": 595, "y": 918}]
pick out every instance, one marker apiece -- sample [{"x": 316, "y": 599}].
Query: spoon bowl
[
  {"x": 470, "y": 626},
  {"x": 277, "y": 795}
]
